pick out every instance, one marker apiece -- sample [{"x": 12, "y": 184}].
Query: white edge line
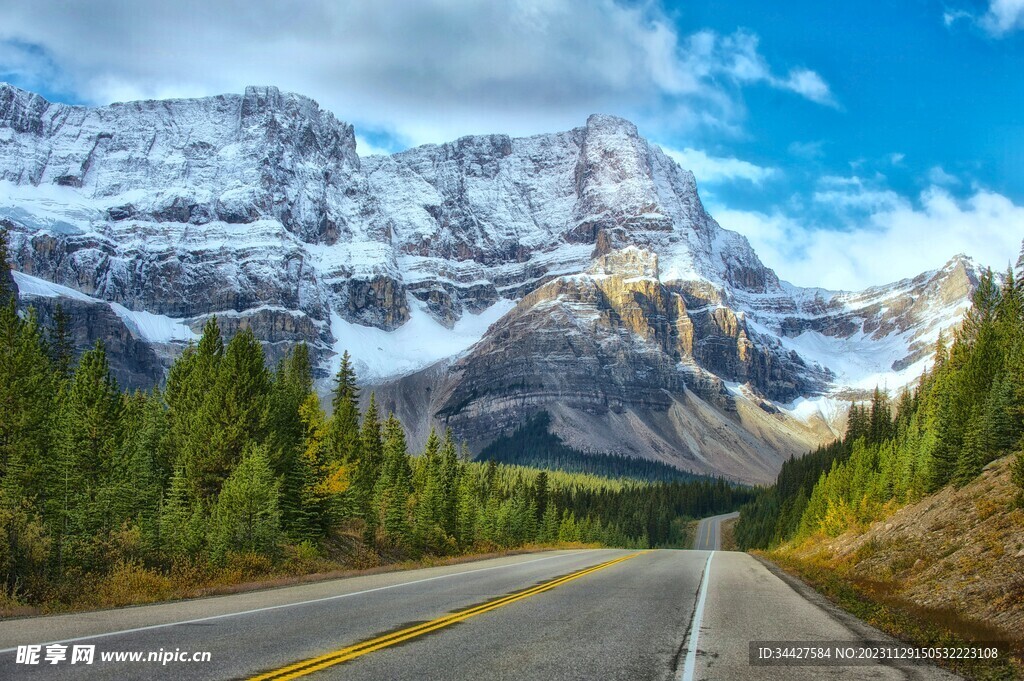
[
  {"x": 698, "y": 614},
  {"x": 291, "y": 605}
]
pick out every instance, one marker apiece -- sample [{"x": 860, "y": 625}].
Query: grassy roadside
[
  {"x": 131, "y": 584},
  {"x": 873, "y": 603},
  {"x": 728, "y": 531}
]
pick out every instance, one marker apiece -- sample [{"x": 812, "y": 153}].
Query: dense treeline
[
  {"x": 233, "y": 462},
  {"x": 533, "y": 445},
  {"x": 967, "y": 411}
]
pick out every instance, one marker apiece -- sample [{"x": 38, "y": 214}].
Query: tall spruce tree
[
  {"x": 60, "y": 345},
  {"x": 136, "y": 478},
  {"x": 368, "y": 468},
  {"x": 541, "y": 493},
  {"x": 394, "y": 487},
  {"x": 190, "y": 383},
  {"x": 287, "y": 432},
  {"x": 247, "y": 517},
  {"x": 25, "y": 427},
  {"x": 234, "y": 412},
  {"x": 182, "y": 521},
  {"x": 451, "y": 472},
  {"x": 1020, "y": 266},
  {"x": 89, "y": 431},
  {"x": 344, "y": 426},
  {"x": 6, "y": 282},
  {"x": 974, "y": 451},
  {"x": 429, "y": 482},
  {"x": 880, "y": 418},
  {"x": 292, "y": 384},
  {"x": 26, "y": 398}
]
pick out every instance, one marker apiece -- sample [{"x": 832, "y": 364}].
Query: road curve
[
  {"x": 709, "y": 532},
  {"x": 587, "y": 614}
]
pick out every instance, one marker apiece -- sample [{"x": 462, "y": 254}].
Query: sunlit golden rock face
[{"x": 615, "y": 338}]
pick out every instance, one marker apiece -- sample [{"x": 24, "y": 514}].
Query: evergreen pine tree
[
  {"x": 26, "y": 398},
  {"x": 182, "y": 523},
  {"x": 941, "y": 353},
  {"x": 89, "y": 429},
  {"x": 1001, "y": 430},
  {"x": 467, "y": 512},
  {"x": 131, "y": 495},
  {"x": 540, "y": 493},
  {"x": 880, "y": 418},
  {"x": 344, "y": 430},
  {"x": 1017, "y": 475},
  {"x": 371, "y": 460},
  {"x": 234, "y": 413},
  {"x": 247, "y": 517},
  {"x": 1020, "y": 266},
  {"x": 331, "y": 478},
  {"x": 451, "y": 471},
  {"x": 287, "y": 431},
  {"x": 292, "y": 384},
  {"x": 394, "y": 487},
  {"x": 6, "y": 282},
  {"x": 60, "y": 344},
  {"x": 975, "y": 450},
  {"x": 982, "y": 313},
  {"x": 549, "y": 524},
  {"x": 190, "y": 383},
  {"x": 24, "y": 543},
  {"x": 857, "y": 425}
]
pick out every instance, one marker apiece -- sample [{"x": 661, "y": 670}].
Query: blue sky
[{"x": 853, "y": 143}]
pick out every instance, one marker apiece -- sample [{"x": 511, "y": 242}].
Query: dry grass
[
  {"x": 875, "y": 602},
  {"x": 953, "y": 561},
  {"x": 728, "y": 530}
]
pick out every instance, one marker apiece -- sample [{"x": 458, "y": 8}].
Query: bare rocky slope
[{"x": 475, "y": 283}]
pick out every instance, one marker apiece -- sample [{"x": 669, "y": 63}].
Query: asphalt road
[
  {"x": 709, "y": 532},
  {"x": 603, "y": 614}
]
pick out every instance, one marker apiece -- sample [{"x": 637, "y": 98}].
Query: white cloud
[
  {"x": 938, "y": 176},
  {"x": 896, "y": 241},
  {"x": 1003, "y": 16},
  {"x": 426, "y": 71},
  {"x": 741, "y": 60},
  {"x": 364, "y": 147},
  {"x": 950, "y": 17},
  {"x": 717, "y": 169},
  {"x": 853, "y": 193},
  {"x": 809, "y": 84}
]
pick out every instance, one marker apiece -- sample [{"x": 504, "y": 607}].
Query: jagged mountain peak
[
  {"x": 609, "y": 123},
  {"x": 574, "y": 271}
]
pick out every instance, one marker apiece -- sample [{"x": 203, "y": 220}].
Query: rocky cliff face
[{"x": 612, "y": 289}]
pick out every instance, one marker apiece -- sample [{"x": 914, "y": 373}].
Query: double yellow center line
[{"x": 315, "y": 664}]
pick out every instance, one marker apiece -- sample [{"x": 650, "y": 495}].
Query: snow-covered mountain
[{"x": 475, "y": 282}]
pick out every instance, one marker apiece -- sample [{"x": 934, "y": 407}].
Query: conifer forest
[
  {"x": 967, "y": 411},
  {"x": 233, "y": 462}
]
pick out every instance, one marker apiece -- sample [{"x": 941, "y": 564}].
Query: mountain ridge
[{"x": 257, "y": 208}]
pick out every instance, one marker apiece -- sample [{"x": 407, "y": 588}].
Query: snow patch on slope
[
  {"x": 807, "y": 408},
  {"x": 48, "y": 207},
  {"x": 859, "y": 361},
  {"x": 154, "y": 328},
  {"x": 420, "y": 342},
  {"x": 34, "y": 286}
]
